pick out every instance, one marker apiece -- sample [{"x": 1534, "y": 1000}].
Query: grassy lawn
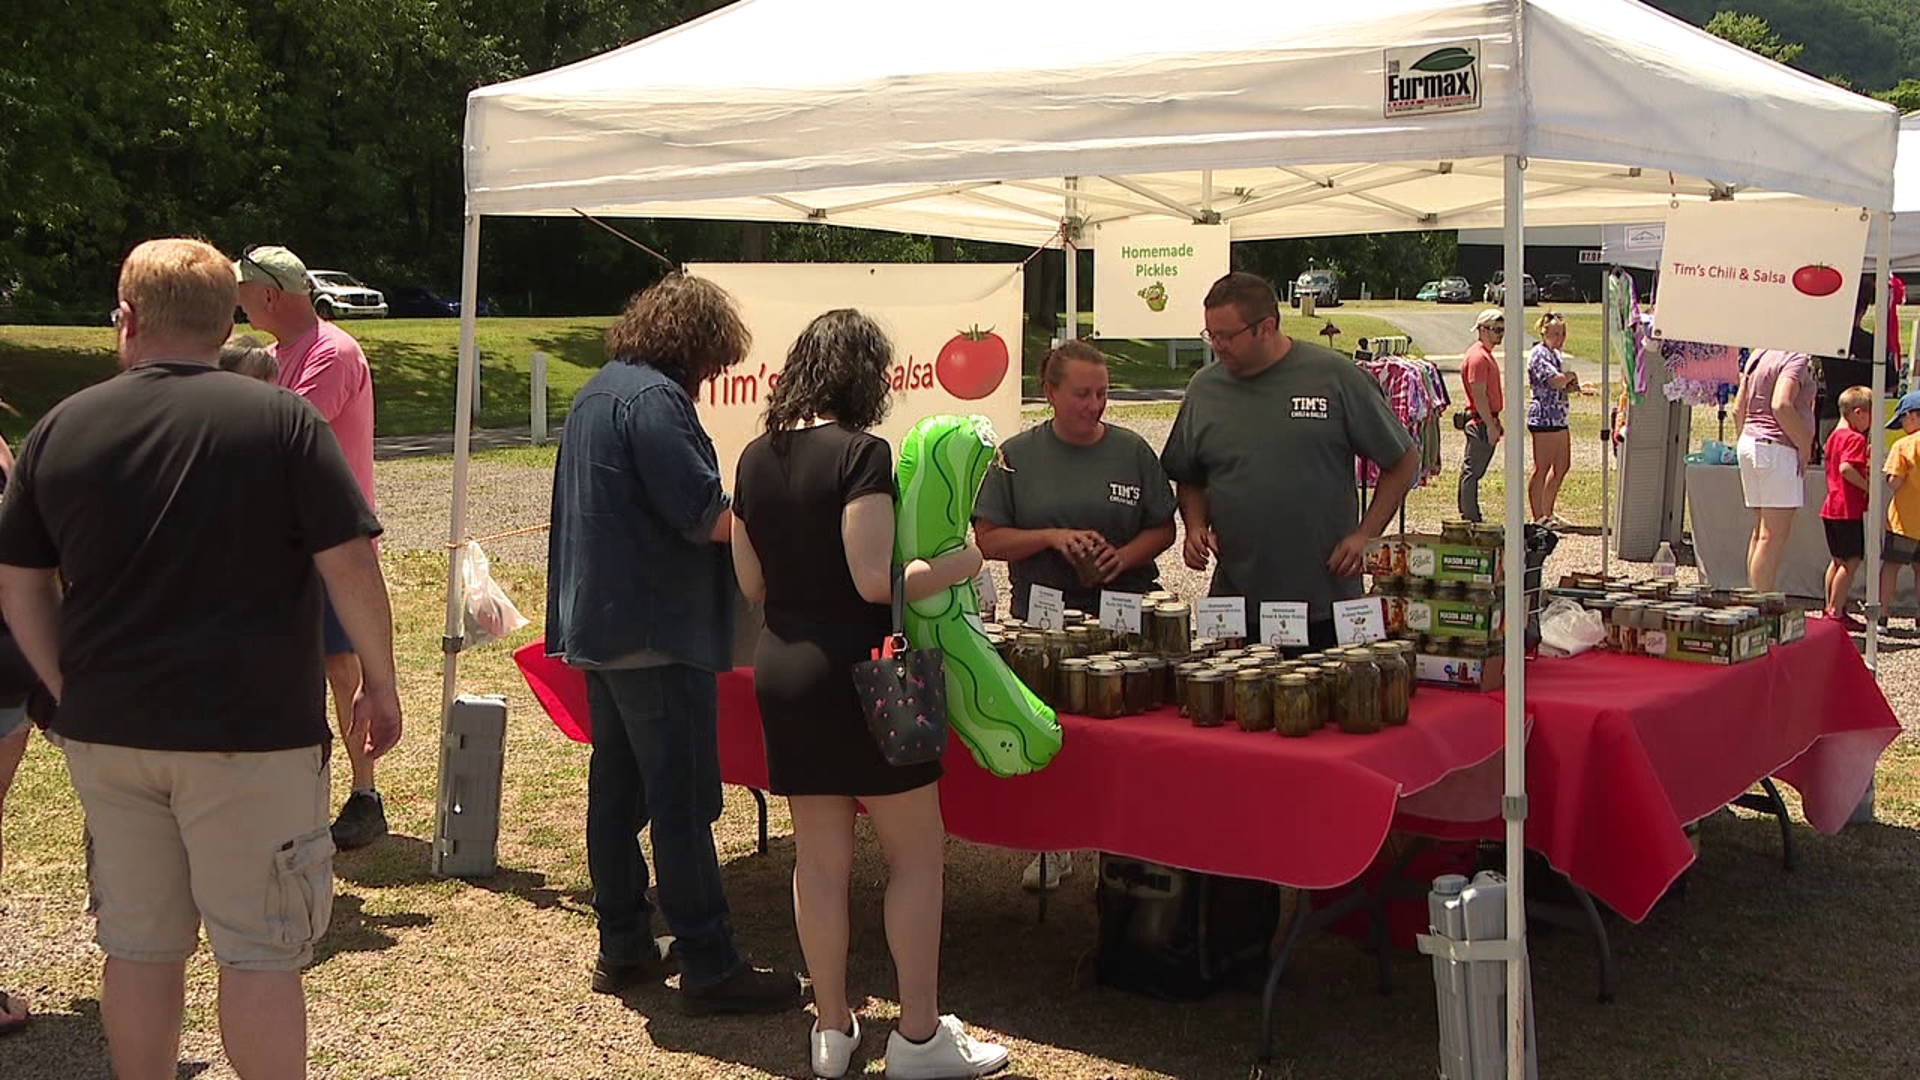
[{"x": 412, "y": 361}]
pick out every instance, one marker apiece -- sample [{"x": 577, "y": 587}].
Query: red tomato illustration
[
  {"x": 972, "y": 364},
  {"x": 1817, "y": 279}
]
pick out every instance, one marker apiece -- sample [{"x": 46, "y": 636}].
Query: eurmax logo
[{"x": 1433, "y": 78}]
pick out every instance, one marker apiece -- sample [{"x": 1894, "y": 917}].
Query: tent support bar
[
  {"x": 1606, "y": 418},
  {"x": 1318, "y": 194},
  {"x": 1007, "y": 204},
  {"x": 467, "y": 368},
  {"x": 911, "y": 196},
  {"x": 1087, "y": 197},
  {"x": 1877, "y": 454},
  {"x": 1070, "y": 239},
  {"x": 1146, "y": 192},
  {"x": 1514, "y": 805}
]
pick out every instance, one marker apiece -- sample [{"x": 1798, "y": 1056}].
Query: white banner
[
  {"x": 1149, "y": 277},
  {"x": 1761, "y": 275},
  {"x": 955, "y": 329}
]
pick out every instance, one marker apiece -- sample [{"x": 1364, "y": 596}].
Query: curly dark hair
[
  {"x": 836, "y": 368},
  {"x": 685, "y": 327}
]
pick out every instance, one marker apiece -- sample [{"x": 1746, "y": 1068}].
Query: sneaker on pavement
[
  {"x": 362, "y": 820},
  {"x": 748, "y": 990},
  {"x": 610, "y": 977},
  {"x": 1059, "y": 864},
  {"x": 950, "y": 1054},
  {"x": 833, "y": 1050}
]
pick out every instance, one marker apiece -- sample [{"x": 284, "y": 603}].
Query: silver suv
[{"x": 339, "y": 295}]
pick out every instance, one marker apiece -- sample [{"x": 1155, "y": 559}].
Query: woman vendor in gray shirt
[{"x": 1076, "y": 489}]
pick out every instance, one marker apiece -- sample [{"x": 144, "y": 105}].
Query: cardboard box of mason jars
[
  {"x": 1460, "y": 673},
  {"x": 1705, "y": 648},
  {"x": 1447, "y": 618},
  {"x": 1435, "y": 559}
]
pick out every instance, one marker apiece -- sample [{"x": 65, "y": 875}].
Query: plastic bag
[
  {"x": 1567, "y": 629},
  {"x": 490, "y": 616}
]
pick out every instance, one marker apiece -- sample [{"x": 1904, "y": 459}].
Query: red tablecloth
[
  {"x": 1624, "y": 751},
  {"x": 1308, "y": 812}
]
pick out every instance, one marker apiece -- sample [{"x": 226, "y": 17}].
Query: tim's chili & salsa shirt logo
[{"x": 1433, "y": 78}]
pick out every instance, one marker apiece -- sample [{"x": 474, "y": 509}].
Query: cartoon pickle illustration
[{"x": 1156, "y": 296}]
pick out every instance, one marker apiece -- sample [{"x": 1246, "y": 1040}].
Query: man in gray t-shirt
[{"x": 1263, "y": 454}]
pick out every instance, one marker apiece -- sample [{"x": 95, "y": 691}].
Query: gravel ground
[{"x": 509, "y": 494}]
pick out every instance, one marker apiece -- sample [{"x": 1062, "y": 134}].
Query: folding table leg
[
  {"x": 1302, "y": 914},
  {"x": 760, "y": 801},
  {"x": 1768, "y": 801},
  {"x": 1585, "y": 920}
]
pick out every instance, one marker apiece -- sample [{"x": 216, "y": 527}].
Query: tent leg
[
  {"x": 457, "y": 519},
  {"x": 1606, "y": 421},
  {"x": 1877, "y": 455},
  {"x": 1514, "y": 805}
]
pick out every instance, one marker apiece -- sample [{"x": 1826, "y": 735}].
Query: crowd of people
[{"x": 225, "y": 488}]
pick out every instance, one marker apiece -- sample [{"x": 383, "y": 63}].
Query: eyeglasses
[
  {"x": 1212, "y": 338},
  {"x": 1498, "y": 328},
  {"x": 116, "y": 316},
  {"x": 247, "y": 257}
]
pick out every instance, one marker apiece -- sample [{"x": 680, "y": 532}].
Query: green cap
[{"x": 272, "y": 265}]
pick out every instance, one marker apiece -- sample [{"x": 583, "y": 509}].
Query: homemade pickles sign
[
  {"x": 955, "y": 330},
  {"x": 1150, "y": 277},
  {"x": 1760, "y": 274}
]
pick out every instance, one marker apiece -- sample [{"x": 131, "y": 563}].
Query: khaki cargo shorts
[{"x": 238, "y": 842}]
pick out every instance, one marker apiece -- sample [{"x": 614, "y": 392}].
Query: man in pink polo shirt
[{"x": 322, "y": 363}]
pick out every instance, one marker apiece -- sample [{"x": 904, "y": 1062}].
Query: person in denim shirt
[{"x": 640, "y": 597}]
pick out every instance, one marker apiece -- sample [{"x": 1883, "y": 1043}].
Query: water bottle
[{"x": 1664, "y": 564}]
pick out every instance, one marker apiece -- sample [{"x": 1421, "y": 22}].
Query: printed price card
[
  {"x": 1358, "y": 622},
  {"x": 1283, "y": 623},
  {"x": 1120, "y": 612},
  {"x": 1221, "y": 617},
  {"x": 1046, "y": 608}
]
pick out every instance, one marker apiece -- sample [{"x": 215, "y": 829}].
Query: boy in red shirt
[{"x": 1844, "y": 513}]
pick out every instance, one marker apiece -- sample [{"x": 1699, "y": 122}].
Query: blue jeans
[{"x": 656, "y": 760}]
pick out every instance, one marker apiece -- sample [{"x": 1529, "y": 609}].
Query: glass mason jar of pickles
[
  {"x": 1396, "y": 683},
  {"x": 1032, "y": 665},
  {"x": 1410, "y": 654},
  {"x": 1296, "y": 707},
  {"x": 1337, "y": 679},
  {"x": 1159, "y": 682},
  {"x": 1251, "y": 708},
  {"x": 1169, "y": 627},
  {"x": 1182, "y": 672},
  {"x": 1317, "y": 686},
  {"x": 1075, "y": 685},
  {"x": 1106, "y": 690},
  {"x": 1137, "y": 686},
  {"x": 1207, "y": 698},
  {"x": 1362, "y": 715}
]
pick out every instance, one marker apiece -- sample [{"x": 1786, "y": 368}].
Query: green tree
[{"x": 1752, "y": 33}]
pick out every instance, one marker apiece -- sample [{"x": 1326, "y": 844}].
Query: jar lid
[
  {"x": 1075, "y": 664},
  {"x": 1249, "y": 675},
  {"x": 1159, "y": 596},
  {"x": 1293, "y": 681},
  {"x": 1073, "y": 615},
  {"x": 1209, "y": 675},
  {"x": 1104, "y": 667},
  {"x": 1384, "y": 648},
  {"x": 1170, "y": 607},
  {"x": 1133, "y": 665},
  {"x": 1031, "y": 638},
  {"x": 1189, "y": 666}
]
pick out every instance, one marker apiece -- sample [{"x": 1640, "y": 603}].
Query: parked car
[
  {"x": 1561, "y": 289},
  {"x": 1323, "y": 284},
  {"x": 1455, "y": 290},
  {"x": 1496, "y": 291},
  {"x": 338, "y": 294},
  {"x": 1429, "y": 291},
  {"x": 417, "y": 302}
]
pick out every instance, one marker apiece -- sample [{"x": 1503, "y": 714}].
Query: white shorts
[{"x": 1770, "y": 475}]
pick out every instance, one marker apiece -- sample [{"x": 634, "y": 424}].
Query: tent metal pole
[
  {"x": 466, "y": 377},
  {"x": 1514, "y": 806},
  {"x": 1069, "y": 240},
  {"x": 1877, "y": 443},
  {"x": 1606, "y": 416}
]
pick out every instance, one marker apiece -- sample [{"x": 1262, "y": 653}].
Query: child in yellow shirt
[{"x": 1903, "y": 510}]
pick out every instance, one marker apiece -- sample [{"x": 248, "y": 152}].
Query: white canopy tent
[{"x": 1026, "y": 120}]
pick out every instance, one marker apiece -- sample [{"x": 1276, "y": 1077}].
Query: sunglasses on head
[{"x": 247, "y": 257}]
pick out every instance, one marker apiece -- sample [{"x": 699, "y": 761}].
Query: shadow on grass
[
  {"x": 399, "y": 861},
  {"x": 352, "y": 930},
  {"x": 69, "y": 1045}
]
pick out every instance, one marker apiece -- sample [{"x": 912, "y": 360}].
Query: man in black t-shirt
[{"x": 163, "y": 547}]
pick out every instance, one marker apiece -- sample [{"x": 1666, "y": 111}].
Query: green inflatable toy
[{"x": 943, "y": 461}]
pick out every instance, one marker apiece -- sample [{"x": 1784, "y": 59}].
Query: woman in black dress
[{"x": 813, "y": 540}]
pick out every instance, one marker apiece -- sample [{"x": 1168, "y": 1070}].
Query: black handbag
[{"x": 903, "y": 693}]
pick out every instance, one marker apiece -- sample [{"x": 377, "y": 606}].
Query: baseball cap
[
  {"x": 1910, "y": 403},
  {"x": 272, "y": 265},
  {"x": 1489, "y": 317}
]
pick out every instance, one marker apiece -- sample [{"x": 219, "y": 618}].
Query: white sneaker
[
  {"x": 1059, "y": 865},
  {"x": 833, "y": 1050},
  {"x": 950, "y": 1054}
]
